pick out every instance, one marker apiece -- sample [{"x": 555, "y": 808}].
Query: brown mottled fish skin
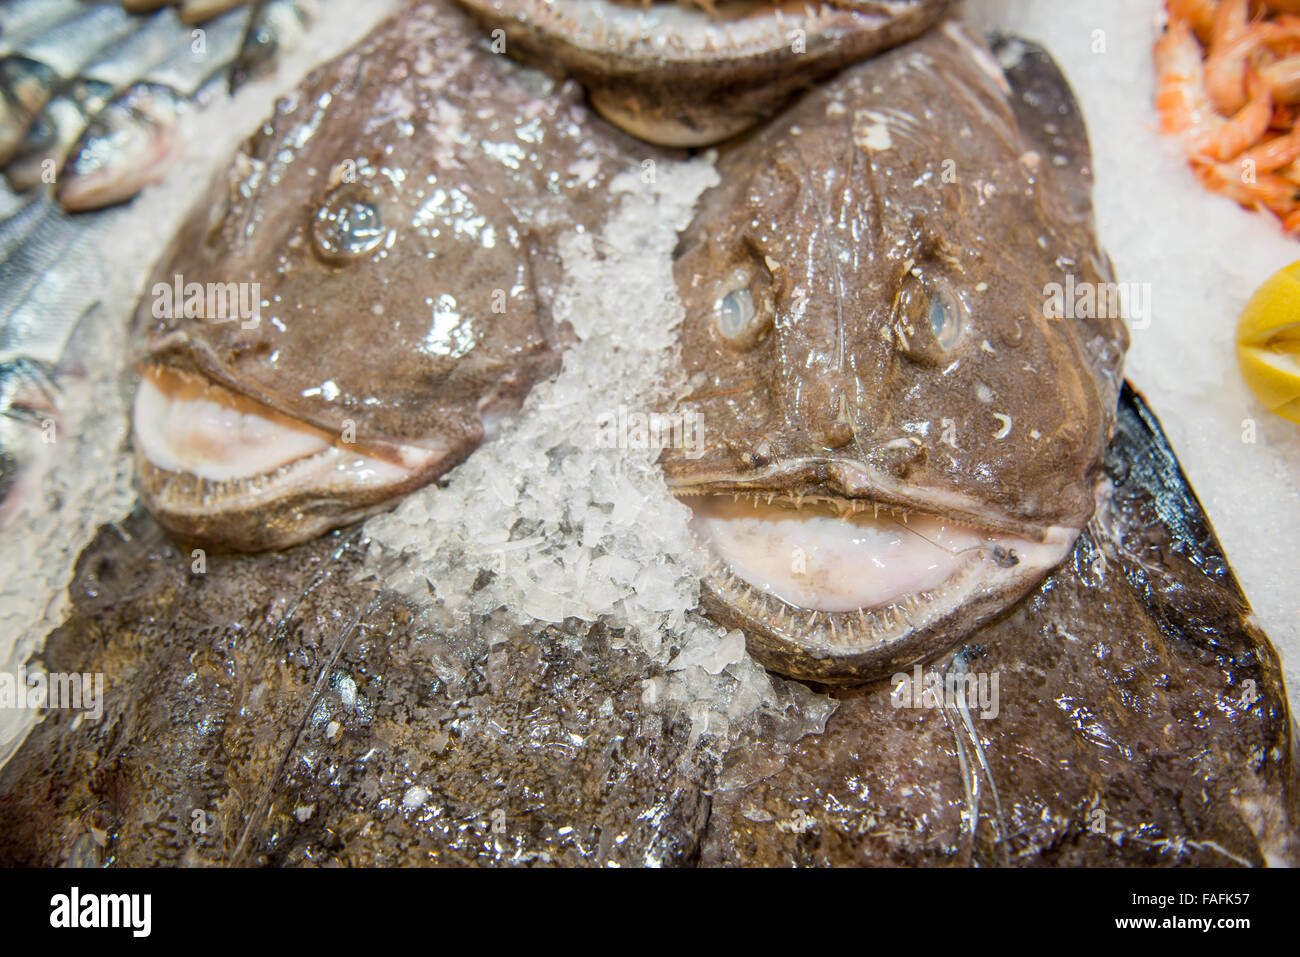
[
  {"x": 906, "y": 176},
  {"x": 681, "y": 76},
  {"x": 296, "y": 706},
  {"x": 474, "y": 165}
]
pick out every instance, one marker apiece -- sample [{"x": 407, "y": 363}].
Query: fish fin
[
  {"x": 1166, "y": 549},
  {"x": 1049, "y": 117}
]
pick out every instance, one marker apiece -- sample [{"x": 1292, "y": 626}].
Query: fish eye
[
  {"x": 735, "y": 312},
  {"x": 347, "y": 225},
  {"x": 928, "y": 319},
  {"x": 743, "y": 311},
  {"x": 945, "y": 316}
]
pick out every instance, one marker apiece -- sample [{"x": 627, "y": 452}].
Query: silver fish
[
  {"x": 40, "y": 307},
  {"x": 56, "y": 128},
  {"x": 275, "y": 25},
  {"x": 22, "y": 19},
  {"x": 130, "y": 143},
  {"x": 32, "y": 71}
]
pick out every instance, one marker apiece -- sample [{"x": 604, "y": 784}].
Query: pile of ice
[{"x": 545, "y": 525}]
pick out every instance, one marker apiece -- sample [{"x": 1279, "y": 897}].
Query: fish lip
[
  {"x": 857, "y": 647},
  {"x": 850, "y": 485},
  {"x": 686, "y": 83},
  {"x": 296, "y": 514},
  {"x": 179, "y": 352},
  {"x": 285, "y": 505},
  {"x": 622, "y": 47}
]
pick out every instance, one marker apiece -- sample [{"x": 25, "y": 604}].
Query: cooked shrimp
[
  {"x": 1272, "y": 155},
  {"x": 1180, "y": 80},
  {"x": 1283, "y": 79},
  {"x": 1198, "y": 13},
  {"x": 1261, "y": 191},
  {"x": 1236, "y": 105},
  {"x": 1224, "y": 140},
  {"x": 1231, "y": 43}
]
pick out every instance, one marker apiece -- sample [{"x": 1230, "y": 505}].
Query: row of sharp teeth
[
  {"x": 855, "y": 627},
  {"x": 845, "y": 507},
  {"x": 177, "y": 487}
]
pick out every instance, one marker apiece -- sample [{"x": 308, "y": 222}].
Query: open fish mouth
[
  {"x": 221, "y": 466},
  {"x": 844, "y": 590}
]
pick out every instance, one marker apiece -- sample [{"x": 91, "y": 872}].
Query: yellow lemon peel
[{"x": 1268, "y": 343}]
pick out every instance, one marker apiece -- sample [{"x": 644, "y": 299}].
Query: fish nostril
[
  {"x": 837, "y": 430},
  {"x": 837, "y": 434}
]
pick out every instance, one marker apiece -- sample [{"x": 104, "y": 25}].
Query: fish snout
[{"x": 830, "y": 410}]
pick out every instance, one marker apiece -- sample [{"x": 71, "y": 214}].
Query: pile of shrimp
[{"x": 1228, "y": 84}]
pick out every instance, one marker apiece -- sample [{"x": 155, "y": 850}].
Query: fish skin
[
  {"x": 1099, "y": 669},
  {"x": 474, "y": 188},
  {"x": 61, "y": 122},
  {"x": 22, "y": 19},
  {"x": 31, "y": 72},
  {"x": 132, "y": 141},
  {"x": 675, "y": 76},
  {"x": 1143, "y": 625},
  {"x": 838, "y": 214},
  {"x": 274, "y": 25},
  {"x": 41, "y": 308}
]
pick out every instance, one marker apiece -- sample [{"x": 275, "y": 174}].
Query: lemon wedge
[{"x": 1268, "y": 343}]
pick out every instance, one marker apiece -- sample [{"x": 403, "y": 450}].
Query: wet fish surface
[
  {"x": 30, "y": 72},
  {"x": 686, "y": 75},
  {"x": 1139, "y": 719},
  {"x": 45, "y": 144},
  {"x": 1126, "y": 711},
  {"x": 69, "y": 64},
  {"x": 273, "y": 26},
  {"x": 397, "y": 220},
  {"x": 133, "y": 139},
  {"x": 908, "y": 441}
]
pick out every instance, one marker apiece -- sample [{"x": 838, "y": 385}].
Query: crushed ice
[{"x": 544, "y": 525}]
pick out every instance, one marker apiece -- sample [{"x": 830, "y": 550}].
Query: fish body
[
  {"x": 274, "y": 26},
  {"x": 686, "y": 75},
  {"x": 21, "y": 19},
  {"x": 133, "y": 139},
  {"x": 41, "y": 305},
  {"x": 906, "y": 440},
  {"x": 61, "y": 122},
  {"x": 394, "y": 224},
  {"x": 31, "y": 71},
  {"x": 303, "y": 693}
]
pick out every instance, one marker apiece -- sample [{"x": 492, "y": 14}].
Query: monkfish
[
  {"x": 695, "y": 72},
  {"x": 365, "y": 293},
  {"x": 906, "y": 436}
]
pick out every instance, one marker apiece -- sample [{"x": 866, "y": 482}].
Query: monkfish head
[
  {"x": 362, "y": 296},
  {"x": 694, "y": 72},
  {"x": 900, "y": 441}
]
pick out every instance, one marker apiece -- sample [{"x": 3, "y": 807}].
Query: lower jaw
[
  {"x": 841, "y": 644},
  {"x": 218, "y": 469},
  {"x": 814, "y": 656},
  {"x": 285, "y": 518}
]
